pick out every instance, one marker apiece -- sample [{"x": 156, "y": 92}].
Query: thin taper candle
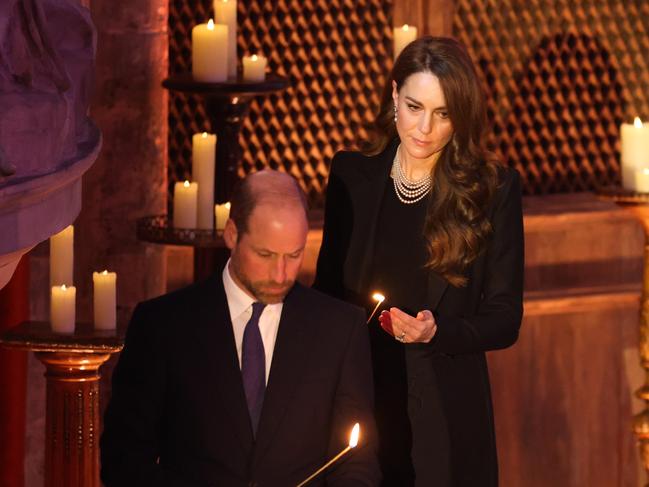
[
  {"x": 325, "y": 467},
  {"x": 353, "y": 441},
  {"x": 379, "y": 298}
]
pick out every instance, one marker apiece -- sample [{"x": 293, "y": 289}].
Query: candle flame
[
  {"x": 405, "y": 27},
  {"x": 186, "y": 184},
  {"x": 204, "y": 135},
  {"x": 210, "y": 24},
  {"x": 63, "y": 288},
  {"x": 379, "y": 298},
  {"x": 645, "y": 171},
  {"x": 227, "y": 205},
  {"x": 353, "y": 438},
  {"x": 254, "y": 57},
  {"x": 105, "y": 273},
  {"x": 637, "y": 122}
]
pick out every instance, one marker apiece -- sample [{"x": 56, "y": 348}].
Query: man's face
[{"x": 265, "y": 260}]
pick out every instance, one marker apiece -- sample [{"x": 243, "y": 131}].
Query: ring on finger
[{"x": 402, "y": 337}]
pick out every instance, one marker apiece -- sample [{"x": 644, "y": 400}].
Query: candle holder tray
[{"x": 158, "y": 229}]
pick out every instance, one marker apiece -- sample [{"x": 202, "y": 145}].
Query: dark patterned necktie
[{"x": 253, "y": 366}]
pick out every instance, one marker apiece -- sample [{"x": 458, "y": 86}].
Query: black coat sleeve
[
  {"x": 130, "y": 443},
  {"x": 497, "y": 321},
  {"x": 336, "y": 234}
]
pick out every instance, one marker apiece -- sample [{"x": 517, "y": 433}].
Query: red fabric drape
[{"x": 14, "y": 309}]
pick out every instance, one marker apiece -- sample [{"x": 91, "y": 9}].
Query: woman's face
[{"x": 422, "y": 118}]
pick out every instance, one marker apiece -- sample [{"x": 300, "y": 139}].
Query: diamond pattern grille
[
  {"x": 335, "y": 53},
  {"x": 562, "y": 76}
]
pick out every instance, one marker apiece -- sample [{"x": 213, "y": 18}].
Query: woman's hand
[{"x": 408, "y": 329}]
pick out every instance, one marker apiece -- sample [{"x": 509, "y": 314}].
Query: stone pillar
[{"x": 129, "y": 179}]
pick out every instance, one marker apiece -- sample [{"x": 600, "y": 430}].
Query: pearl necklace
[{"x": 408, "y": 191}]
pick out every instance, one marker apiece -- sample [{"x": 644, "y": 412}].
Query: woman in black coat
[{"x": 429, "y": 218}]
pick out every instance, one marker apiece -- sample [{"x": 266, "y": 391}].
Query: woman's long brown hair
[{"x": 465, "y": 175}]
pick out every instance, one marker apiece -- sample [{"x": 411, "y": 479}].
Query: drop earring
[{"x": 395, "y": 113}]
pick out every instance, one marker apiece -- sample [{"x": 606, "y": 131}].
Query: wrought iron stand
[{"x": 227, "y": 104}]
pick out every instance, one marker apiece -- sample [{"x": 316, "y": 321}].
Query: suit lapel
[
  {"x": 223, "y": 363},
  {"x": 292, "y": 348},
  {"x": 366, "y": 198}
]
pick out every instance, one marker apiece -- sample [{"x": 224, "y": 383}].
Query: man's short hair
[{"x": 271, "y": 186}]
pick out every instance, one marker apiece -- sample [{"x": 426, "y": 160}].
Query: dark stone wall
[{"x": 129, "y": 178}]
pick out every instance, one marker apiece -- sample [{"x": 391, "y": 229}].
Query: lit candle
[
  {"x": 210, "y": 52},
  {"x": 403, "y": 36},
  {"x": 62, "y": 308},
  {"x": 62, "y": 257},
  {"x": 353, "y": 441},
  {"x": 634, "y": 153},
  {"x": 105, "y": 300},
  {"x": 379, "y": 298},
  {"x": 185, "y": 195},
  {"x": 225, "y": 12},
  {"x": 254, "y": 68},
  {"x": 203, "y": 151},
  {"x": 221, "y": 215}
]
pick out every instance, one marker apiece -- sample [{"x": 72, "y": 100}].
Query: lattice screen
[
  {"x": 563, "y": 74},
  {"x": 336, "y": 54}
]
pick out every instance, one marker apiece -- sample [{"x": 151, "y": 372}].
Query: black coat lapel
[
  {"x": 366, "y": 198},
  {"x": 223, "y": 363},
  {"x": 292, "y": 349}
]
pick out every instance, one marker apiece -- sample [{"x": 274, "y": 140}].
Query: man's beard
[{"x": 267, "y": 292}]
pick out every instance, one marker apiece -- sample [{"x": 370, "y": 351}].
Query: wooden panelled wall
[
  {"x": 563, "y": 394},
  {"x": 561, "y": 76}
]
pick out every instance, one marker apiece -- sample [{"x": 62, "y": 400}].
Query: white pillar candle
[
  {"x": 185, "y": 199},
  {"x": 203, "y": 152},
  {"x": 642, "y": 180},
  {"x": 403, "y": 36},
  {"x": 105, "y": 300},
  {"x": 62, "y": 308},
  {"x": 221, "y": 214},
  {"x": 225, "y": 12},
  {"x": 210, "y": 52},
  {"x": 634, "y": 153},
  {"x": 62, "y": 257},
  {"x": 254, "y": 68}
]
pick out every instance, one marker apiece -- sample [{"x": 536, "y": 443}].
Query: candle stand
[
  {"x": 227, "y": 104},
  {"x": 72, "y": 421},
  {"x": 638, "y": 204},
  {"x": 209, "y": 247}
]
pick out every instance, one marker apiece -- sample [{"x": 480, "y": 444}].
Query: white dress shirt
[{"x": 240, "y": 305}]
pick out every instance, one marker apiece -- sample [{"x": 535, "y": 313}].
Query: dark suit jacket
[
  {"x": 178, "y": 414},
  {"x": 484, "y": 315}
]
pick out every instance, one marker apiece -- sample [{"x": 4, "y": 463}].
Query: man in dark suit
[{"x": 248, "y": 378}]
